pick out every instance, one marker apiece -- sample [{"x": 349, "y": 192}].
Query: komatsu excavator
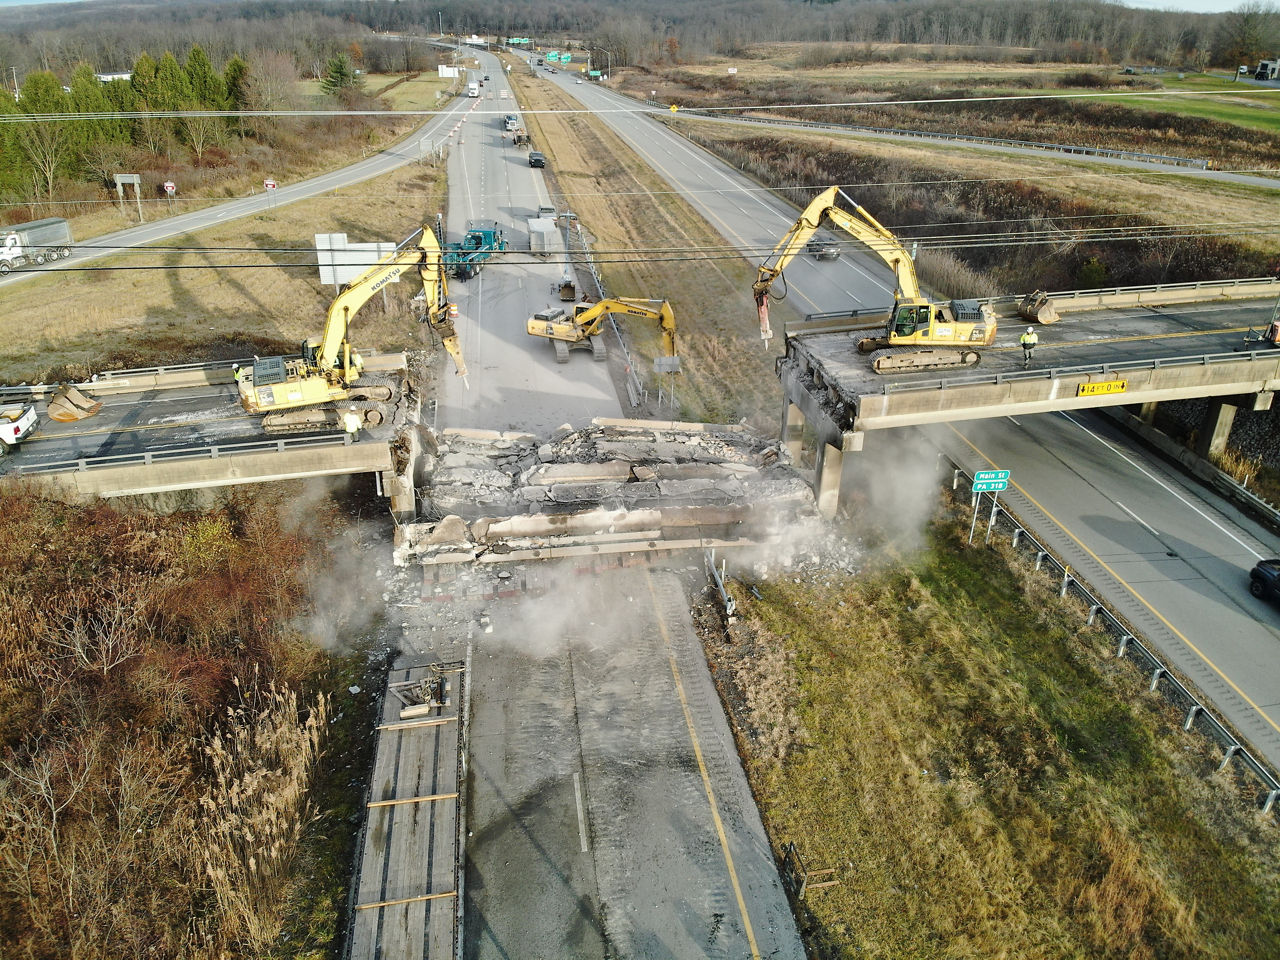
[
  {"x": 583, "y": 328},
  {"x": 329, "y": 371},
  {"x": 914, "y": 322}
]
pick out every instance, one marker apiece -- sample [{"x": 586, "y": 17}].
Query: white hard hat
[
  {"x": 1028, "y": 329},
  {"x": 235, "y": 366}
]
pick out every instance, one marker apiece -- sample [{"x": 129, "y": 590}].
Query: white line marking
[
  {"x": 1136, "y": 517},
  {"x": 582, "y": 824},
  {"x": 1254, "y": 553},
  {"x": 1013, "y": 421}
]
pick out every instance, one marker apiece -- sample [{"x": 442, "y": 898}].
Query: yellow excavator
[
  {"x": 914, "y": 322},
  {"x": 582, "y": 329},
  {"x": 300, "y": 394}
]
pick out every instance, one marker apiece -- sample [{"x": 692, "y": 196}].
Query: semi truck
[
  {"x": 38, "y": 242},
  {"x": 483, "y": 239}
]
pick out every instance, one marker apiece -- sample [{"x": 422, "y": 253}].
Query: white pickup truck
[{"x": 15, "y": 423}]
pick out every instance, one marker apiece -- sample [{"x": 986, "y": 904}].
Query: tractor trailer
[{"x": 37, "y": 242}]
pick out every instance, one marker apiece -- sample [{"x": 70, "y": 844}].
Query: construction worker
[
  {"x": 238, "y": 372},
  {"x": 351, "y": 424},
  {"x": 1028, "y": 341}
]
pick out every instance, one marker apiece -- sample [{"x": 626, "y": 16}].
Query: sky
[{"x": 1191, "y": 6}]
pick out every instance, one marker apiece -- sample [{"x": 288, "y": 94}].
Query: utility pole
[
  {"x": 440, "y": 20},
  {"x": 16, "y": 92}
]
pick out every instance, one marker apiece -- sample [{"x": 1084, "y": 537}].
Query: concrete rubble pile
[{"x": 618, "y": 485}]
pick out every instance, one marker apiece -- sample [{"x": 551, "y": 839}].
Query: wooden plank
[
  {"x": 392, "y": 903},
  {"x": 409, "y": 724},
  {"x": 426, "y": 799}
]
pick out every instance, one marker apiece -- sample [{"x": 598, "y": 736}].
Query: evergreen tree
[
  {"x": 144, "y": 79},
  {"x": 172, "y": 92},
  {"x": 208, "y": 90},
  {"x": 236, "y": 78},
  {"x": 339, "y": 76}
]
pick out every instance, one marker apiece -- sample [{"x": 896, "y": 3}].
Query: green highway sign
[
  {"x": 990, "y": 486},
  {"x": 985, "y": 476}
]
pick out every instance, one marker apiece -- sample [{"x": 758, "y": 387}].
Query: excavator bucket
[
  {"x": 1038, "y": 307},
  {"x": 69, "y": 405}
]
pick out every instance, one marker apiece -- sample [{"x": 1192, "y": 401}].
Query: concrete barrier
[{"x": 227, "y": 470}]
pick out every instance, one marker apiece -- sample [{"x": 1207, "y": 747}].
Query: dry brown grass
[
  {"x": 197, "y": 305},
  {"x": 624, "y": 206}
]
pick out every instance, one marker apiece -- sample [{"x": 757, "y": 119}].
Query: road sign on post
[
  {"x": 170, "y": 187},
  {"x": 268, "y": 184},
  {"x": 992, "y": 482}
]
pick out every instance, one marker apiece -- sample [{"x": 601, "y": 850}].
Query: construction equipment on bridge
[
  {"x": 329, "y": 370},
  {"x": 68, "y": 405},
  {"x": 15, "y": 423},
  {"x": 914, "y": 321},
  {"x": 483, "y": 239},
  {"x": 583, "y": 328},
  {"x": 1038, "y": 307},
  {"x": 521, "y": 137}
]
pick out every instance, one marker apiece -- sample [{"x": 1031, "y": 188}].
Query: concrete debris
[{"x": 627, "y": 484}]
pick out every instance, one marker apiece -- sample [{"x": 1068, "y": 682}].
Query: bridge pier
[
  {"x": 1147, "y": 412},
  {"x": 793, "y": 422},
  {"x": 1215, "y": 428}
]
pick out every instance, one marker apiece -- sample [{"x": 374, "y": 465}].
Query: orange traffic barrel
[{"x": 453, "y": 311}]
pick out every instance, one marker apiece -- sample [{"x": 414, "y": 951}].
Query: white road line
[
  {"x": 1138, "y": 518},
  {"x": 582, "y": 824},
  {"x": 1253, "y": 552}
]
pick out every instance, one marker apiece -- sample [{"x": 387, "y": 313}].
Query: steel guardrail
[{"x": 211, "y": 451}]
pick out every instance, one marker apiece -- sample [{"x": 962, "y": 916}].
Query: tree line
[{"x": 638, "y": 31}]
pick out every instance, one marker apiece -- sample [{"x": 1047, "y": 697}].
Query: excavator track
[
  {"x": 324, "y": 417},
  {"x": 599, "y": 352},
  {"x": 908, "y": 359}
]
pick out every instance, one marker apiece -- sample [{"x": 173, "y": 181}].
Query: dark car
[
  {"x": 824, "y": 249},
  {"x": 1264, "y": 579},
  {"x": 537, "y": 158},
  {"x": 486, "y": 76}
]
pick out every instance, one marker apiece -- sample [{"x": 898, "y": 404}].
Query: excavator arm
[
  {"x": 333, "y": 351},
  {"x": 588, "y": 319},
  {"x": 591, "y": 319},
  {"x": 860, "y": 225}
]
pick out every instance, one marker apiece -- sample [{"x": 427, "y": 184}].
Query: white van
[{"x": 473, "y": 89}]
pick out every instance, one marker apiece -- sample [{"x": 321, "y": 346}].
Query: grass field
[
  {"x": 242, "y": 287},
  {"x": 986, "y": 779}
]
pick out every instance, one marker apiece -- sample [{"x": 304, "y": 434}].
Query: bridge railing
[
  {"x": 1053, "y": 373},
  {"x": 205, "y": 452},
  {"x": 1162, "y": 679}
]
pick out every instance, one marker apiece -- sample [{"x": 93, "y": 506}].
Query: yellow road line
[
  {"x": 702, "y": 768},
  {"x": 1153, "y": 336},
  {"x": 1124, "y": 583}
]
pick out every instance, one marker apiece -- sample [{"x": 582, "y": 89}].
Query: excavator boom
[{"x": 914, "y": 321}]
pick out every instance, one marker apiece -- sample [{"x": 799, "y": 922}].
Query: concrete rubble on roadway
[{"x": 616, "y": 485}]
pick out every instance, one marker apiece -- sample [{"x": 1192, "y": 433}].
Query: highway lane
[
  {"x": 515, "y": 382},
  {"x": 1193, "y": 605}
]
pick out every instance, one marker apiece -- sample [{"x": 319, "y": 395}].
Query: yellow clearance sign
[{"x": 1100, "y": 389}]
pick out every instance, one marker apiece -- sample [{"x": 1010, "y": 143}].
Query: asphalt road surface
[
  {"x": 514, "y": 382},
  {"x": 607, "y": 811}
]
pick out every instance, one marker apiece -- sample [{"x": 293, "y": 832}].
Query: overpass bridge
[
  {"x": 180, "y": 428},
  {"x": 1135, "y": 346}
]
